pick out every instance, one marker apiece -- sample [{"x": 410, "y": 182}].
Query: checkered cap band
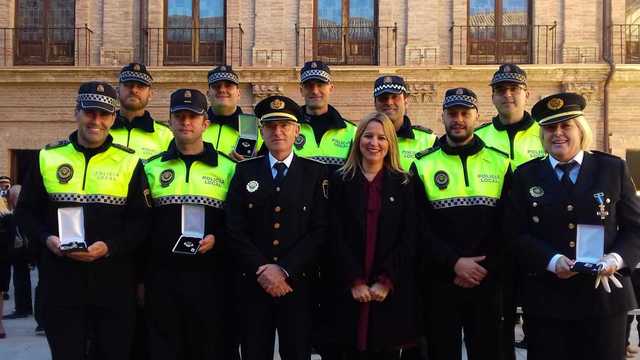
[
  {"x": 98, "y": 98},
  {"x": 188, "y": 199},
  {"x": 457, "y": 98},
  {"x": 329, "y": 160},
  {"x": 218, "y": 76},
  {"x": 465, "y": 201},
  {"x": 508, "y": 77},
  {"x": 135, "y": 76},
  {"x": 315, "y": 74},
  {"x": 380, "y": 89},
  {"x": 88, "y": 199}
]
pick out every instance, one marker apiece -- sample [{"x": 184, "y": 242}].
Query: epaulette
[
  {"x": 605, "y": 154},
  {"x": 422, "y": 128},
  {"x": 123, "y": 148},
  {"x": 227, "y": 156},
  {"x": 153, "y": 157},
  {"x": 163, "y": 124},
  {"x": 497, "y": 150},
  {"x": 483, "y": 125},
  {"x": 532, "y": 161},
  {"x": 425, "y": 152},
  {"x": 57, "y": 144},
  {"x": 253, "y": 158}
]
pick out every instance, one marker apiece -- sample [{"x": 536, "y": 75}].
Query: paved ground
[{"x": 22, "y": 343}]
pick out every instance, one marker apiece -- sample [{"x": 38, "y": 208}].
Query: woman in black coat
[{"x": 372, "y": 236}]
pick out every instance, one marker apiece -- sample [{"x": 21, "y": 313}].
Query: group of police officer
[{"x": 229, "y": 248}]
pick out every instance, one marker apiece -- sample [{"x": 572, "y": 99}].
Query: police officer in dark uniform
[
  {"x": 556, "y": 202},
  {"x": 462, "y": 183},
  {"x": 224, "y": 95},
  {"x": 95, "y": 189},
  {"x": 185, "y": 298},
  {"x": 134, "y": 126},
  {"x": 277, "y": 219},
  {"x": 391, "y": 97}
]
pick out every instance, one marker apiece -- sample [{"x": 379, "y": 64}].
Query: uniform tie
[
  {"x": 280, "y": 168},
  {"x": 566, "y": 169}
]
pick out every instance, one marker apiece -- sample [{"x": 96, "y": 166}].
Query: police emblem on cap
[
  {"x": 64, "y": 173},
  {"x": 187, "y": 94},
  {"x": 300, "y": 141},
  {"x": 555, "y": 103},
  {"x": 459, "y": 92},
  {"x": 536, "y": 191},
  {"x": 252, "y": 186},
  {"x": 223, "y": 68},
  {"x": 441, "y": 179},
  {"x": 100, "y": 88},
  {"x": 136, "y": 67},
  {"x": 277, "y": 104},
  {"x": 507, "y": 68},
  {"x": 387, "y": 79},
  {"x": 314, "y": 65},
  {"x": 166, "y": 177}
]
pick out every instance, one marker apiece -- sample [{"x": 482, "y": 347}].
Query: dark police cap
[
  {"x": 97, "y": 95},
  {"x": 557, "y": 108},
  {"x": 135, "y": 72},
  {"x": 188, "y": 99},
  {"x": 389, "y": 84},
  {"x": 315, "y": 70},
  {"x": 509, "y": 73},
  {"x": 275, "y": 108},
  {"x": 460, "y": 97},
  {"x": 223, "y": 72}
]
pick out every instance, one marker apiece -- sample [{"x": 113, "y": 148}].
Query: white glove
[{"x": 609, "y": 266}]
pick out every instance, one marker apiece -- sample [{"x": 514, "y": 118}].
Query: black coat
[
  {"x": 542, "y": 225},
  {"x": 394, "y": 321}
]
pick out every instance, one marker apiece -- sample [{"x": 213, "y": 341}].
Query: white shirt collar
[
  {"x": 578, "y": 158},
  {"x": 287, "y": 161}
]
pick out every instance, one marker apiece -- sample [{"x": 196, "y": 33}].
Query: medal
[{"x": 602, "y": 212}]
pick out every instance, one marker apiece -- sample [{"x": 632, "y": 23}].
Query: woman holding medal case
[
  {"x": 184, "y": 293},
  {"x": 558, "y": 205}
]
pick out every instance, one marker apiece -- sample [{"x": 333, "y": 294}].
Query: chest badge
[
  {"x": 166, "y": 177},
  {"x": 536, "y": 191},
  {"x": 441, "y": 179},
  {"x": 252, "y": 186},
  {"x": 64, "y": 173},
  {"x": 602, "y": 211},
  {"x": 300, "y": 141}
]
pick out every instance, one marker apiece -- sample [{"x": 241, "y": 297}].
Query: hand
[
  {"x": 53, "y": 244},
  {"x": 234, "y": 155},
  {"x": 378, "y": 292},
  {"x": 140, "y": 294},
  {"x": 361, "y": 293},
  {"x": 469, "y": 270},
  {"x": 604, "y": 279},
  {"x": 273, "y": 280},
  {"x": 458, "y": 281},
  {"x": 207, "y": 243},
  {"x": 94, "y": 252},
  {"x": 563, "y": 268},
  {"x": 609, "y": 265}
]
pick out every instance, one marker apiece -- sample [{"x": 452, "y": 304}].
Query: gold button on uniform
[
  {"x": 535, "y": 204},
  {"x": 276, "y": 226},
  {"x": 304, "y": 208},
  {"x": 572, "y": 244},
  {"x": 278, "y": 188},
  {"x": 535, "y": 219},
  {"x": 276, "y": 242},
  {"x": 277, "y": 209},
  {"x": 572, "y": 226},
  {"x": 275, "y": 258},
  {"x": 250, "y": 206},
  {"x": 569, "y": 207}
]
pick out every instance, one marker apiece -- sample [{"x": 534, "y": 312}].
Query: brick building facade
[{"x": 588, "y": 46}]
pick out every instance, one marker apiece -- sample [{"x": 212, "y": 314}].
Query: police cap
[
  {"x": 135, "y": 72},
  {"x": 97, "y": 95},
  {"x": 315, "y": 70},
  {"x": 509, "y": 73},
  {"x": 557, "y": 108},
  {"x": 188, "y": 99},
  {"x": 275, "y": 108},
  {"x": 223, "y": 72},
  {"x": 389, "y": 84},
  {"x": 460, "y": 97}
]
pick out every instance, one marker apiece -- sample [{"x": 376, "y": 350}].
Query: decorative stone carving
[
  {"x": 261, "y": 91},
  {"x": 586, "y": 89},
  {"x": 422, "y": 92}
]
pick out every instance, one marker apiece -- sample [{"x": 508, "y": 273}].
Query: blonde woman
[{"x": 372, "y": 224}]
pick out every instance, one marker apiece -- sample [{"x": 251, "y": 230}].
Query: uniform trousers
[
  {"x": 476, "y": 311},
  {"x": 68, "y": 327},
  {"x": 183, "y": 311},
  {"x": 585, "y": 339}
]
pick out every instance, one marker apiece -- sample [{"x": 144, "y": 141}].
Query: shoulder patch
[
  {"x": 227, "y": 157},
  {"x": 481, "y": 126},
  {"x": 422, "y": 128},
  {"x": 57, "y": 144},
  {"x": 162, "y": 124},
  {"x": 498, "y": 151},
  {"x": 124, "y": 148},
  {"x": 425, "y": 152}
]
